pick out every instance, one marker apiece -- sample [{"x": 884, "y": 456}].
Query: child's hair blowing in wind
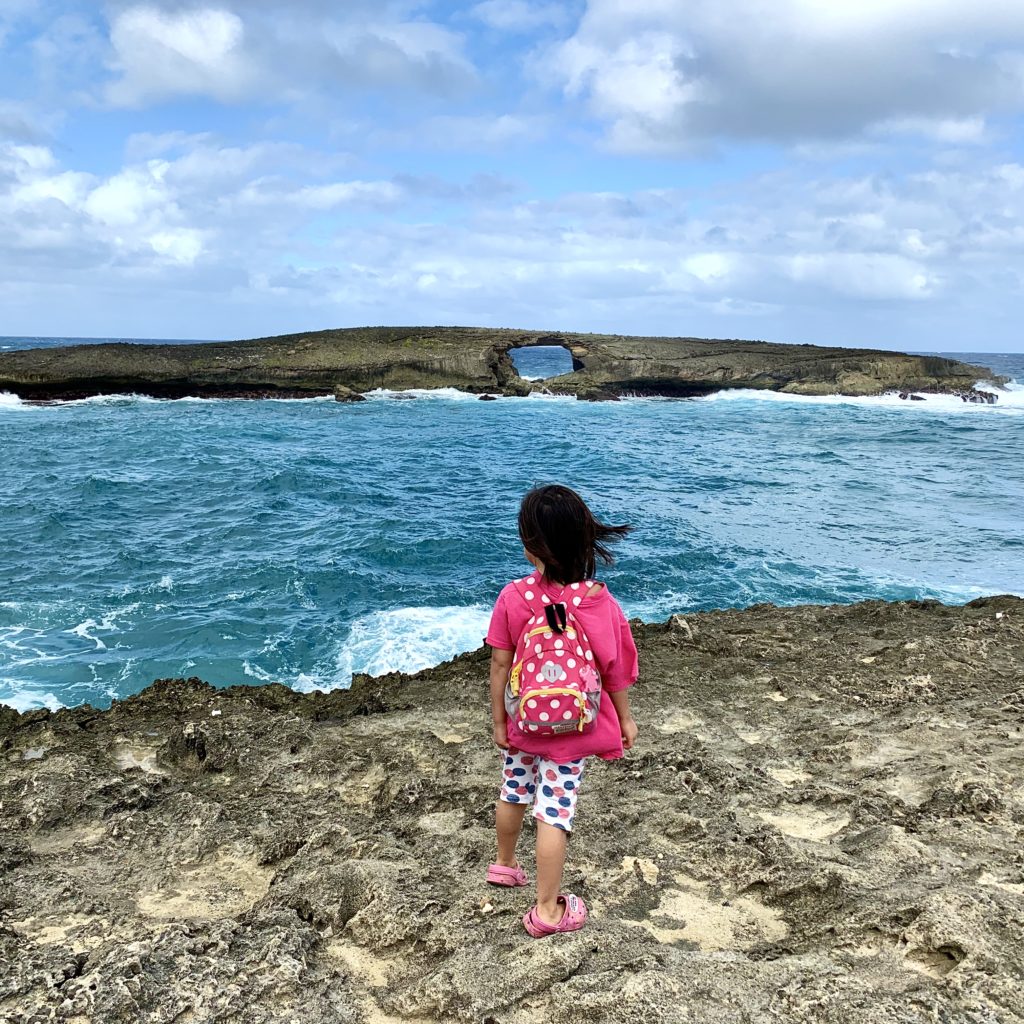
[
  {"x": 559, "y": 644},
  {"x": 557, "y": 528}
]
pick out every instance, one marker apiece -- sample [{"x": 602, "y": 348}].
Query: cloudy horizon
[{"x": 801, "y": 172}]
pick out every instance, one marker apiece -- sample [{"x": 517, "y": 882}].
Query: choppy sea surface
[{"x": 300, "y": 541}]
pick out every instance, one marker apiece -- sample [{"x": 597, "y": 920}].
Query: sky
[{"x": 816, "y": 171}]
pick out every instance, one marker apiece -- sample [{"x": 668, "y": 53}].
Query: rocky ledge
[
  {"x": 476, "y": 360},
  {"x": 822, "y": 823}
]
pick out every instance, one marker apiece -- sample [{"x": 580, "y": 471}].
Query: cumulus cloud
[
  {"x": 668, "y": 77},
  {"x": 779, "y": 256},
  {"x": 160, "y": 53},
  {"x": 234, "y": 51}
]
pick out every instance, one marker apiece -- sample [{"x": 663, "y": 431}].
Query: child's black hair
[{"x": 556, "y": 526}]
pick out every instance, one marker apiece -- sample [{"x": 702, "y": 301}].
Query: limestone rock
[
  {"x": 821, "y": 822},
  {"x": 476, "y": 360}
]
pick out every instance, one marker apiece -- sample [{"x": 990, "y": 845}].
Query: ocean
[{"x": 300, "y": 541}]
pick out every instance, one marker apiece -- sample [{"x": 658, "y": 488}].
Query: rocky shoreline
[
  {"x": 351, "y": 361},
  {"x": 822, "y": 823}
]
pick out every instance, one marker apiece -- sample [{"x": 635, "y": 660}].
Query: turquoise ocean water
[{"x": 300, "y": 541}]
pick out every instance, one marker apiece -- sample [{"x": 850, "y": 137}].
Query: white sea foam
[
  {"x": 108, "y": 622},
  {"x": 1009, "y": 400},
  {"x": 450, "y": 394},
  {"x": 400, "y": 640},
  {"x": 16, "y": 696},
  {"x": 255, "y": 672},
  {"x": 547, "y": 396},
  {"x": 129, "y": 398},
  {"x": 11, "y": 402}
]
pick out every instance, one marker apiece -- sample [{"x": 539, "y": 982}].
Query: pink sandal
[
  {"x": 497, "y": 874},
  {"x": 573, "y": 916}
]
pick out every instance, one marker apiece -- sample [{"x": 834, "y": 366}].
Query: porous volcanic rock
[
  {"x": 472, "y": 359},
  {"x": 822, "y": 822}
]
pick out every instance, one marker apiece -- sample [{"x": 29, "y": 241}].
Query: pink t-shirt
[{"x": 614, "y": 653}]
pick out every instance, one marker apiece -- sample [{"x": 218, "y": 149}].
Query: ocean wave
[
  {"x": 9, "y": 401},
  {"x": 15, "y": 696},
  {"x": 448, "y": 394},
  {"x": 399, "y": 640},
  {"x": 1009, "y": 400}
]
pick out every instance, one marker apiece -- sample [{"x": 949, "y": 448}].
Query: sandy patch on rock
[
  {"x": 680, "y": 721},
  {"x": 690, "y": 914},
  {"x": 647, "y": 869},
  {"x": 361, "y": 964},
  {"x": 802, "y": 822},
  {"x": 43, "y": 931},
  {"x": 130, "y": 754},
  {"x": 225, "y": 887},
  {"x": 987, "y": 878},
  {"x": 788, "y": 776}
]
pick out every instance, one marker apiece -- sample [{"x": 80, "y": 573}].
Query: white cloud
[
  {"x": 166, "y": 53},
  {"x": 789, "y": 256},
  {"x": 663, "y": 76},
  {"x": 236, "y": 51}
]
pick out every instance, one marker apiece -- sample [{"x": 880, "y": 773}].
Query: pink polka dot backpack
[{"x": 553, "y": 686}]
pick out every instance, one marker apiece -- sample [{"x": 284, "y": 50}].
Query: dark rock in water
[
  {"x": 979, "y": 397},
  {"x": 918, "y": 398},
  {"x": 346, "y": 394},
  {"x": 821, "y": 822},
  {"x": 488, "y": 398},
  {"x": 472, "y": 359}
]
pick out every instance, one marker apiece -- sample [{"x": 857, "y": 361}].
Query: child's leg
[
  {"x": 558, "y": 785},
  {"x": 518, "y": 785},
  {"x": 551, "y": 842},
  {"x": 508, "y": 819}
]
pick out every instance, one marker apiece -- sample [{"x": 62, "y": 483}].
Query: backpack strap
[{"x": 555, "y": 612}]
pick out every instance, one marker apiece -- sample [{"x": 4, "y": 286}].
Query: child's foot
[
  {"x": 573, "y": 914},
  {"x": 502, "y": 874}
]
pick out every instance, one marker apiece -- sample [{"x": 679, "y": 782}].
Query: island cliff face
[
  {"x": 471, "y": 359},
  {"x": 821, "y": 824}
]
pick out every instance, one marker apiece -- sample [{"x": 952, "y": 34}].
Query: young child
[{"x": 561, "y": 539}]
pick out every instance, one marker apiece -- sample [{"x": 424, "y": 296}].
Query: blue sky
[{"x": 804, "y": 170}]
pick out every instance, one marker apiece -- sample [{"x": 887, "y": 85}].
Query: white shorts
[{"x": 551, "y": 787}]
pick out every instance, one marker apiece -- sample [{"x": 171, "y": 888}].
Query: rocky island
[
  {"x": 351, "y": 361},
  {"x": 822, "y": 822}
]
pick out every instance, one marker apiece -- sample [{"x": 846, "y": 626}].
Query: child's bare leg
[
  {"x": 551, "y": 843},
  {"x": 508, "y": 820}
]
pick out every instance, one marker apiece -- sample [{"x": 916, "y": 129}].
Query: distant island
[{"x": 350, "y": 361}]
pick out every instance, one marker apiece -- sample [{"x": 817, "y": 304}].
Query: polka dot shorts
[{"x": 550, "y": 787}]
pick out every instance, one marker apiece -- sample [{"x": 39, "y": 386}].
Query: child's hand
[
  {"x": 501, "y": 735},
  {"x": 629, "y": 732}
]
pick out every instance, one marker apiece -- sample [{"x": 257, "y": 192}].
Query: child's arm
[
  {"x": 620, "y": 698},
  {"x": 501, "y": 662}
]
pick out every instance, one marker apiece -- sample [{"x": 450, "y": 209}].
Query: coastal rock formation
[
  {"x": 472, "y": 359},
  {"x": 822, "y": 822}
]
